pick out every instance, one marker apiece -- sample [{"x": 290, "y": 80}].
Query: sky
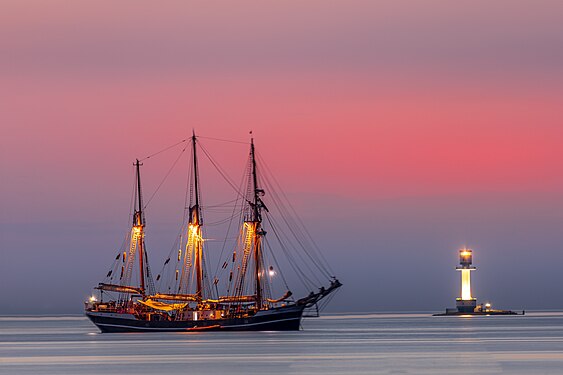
[{"x": 401, "y": 131}]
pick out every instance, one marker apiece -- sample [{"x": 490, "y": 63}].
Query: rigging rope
[
  {"x": 294, "y": 230},
  {"x": 272, "y": 253},
  {"x": 220, "y": 170},
  {"x": 316, "y": 252},
  {"x": 163, "y": 150},
  {"x": 224, "y": 140},
  {"x": 165, "y": 177},
  {"x": 229, "y": 227},
  {"x": 293, "y": 262}
]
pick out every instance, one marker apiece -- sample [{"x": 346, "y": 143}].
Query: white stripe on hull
[{"x": 184, "y": 329}]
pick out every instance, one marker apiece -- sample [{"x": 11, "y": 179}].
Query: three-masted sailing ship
[{"x": 186, "y": 298}]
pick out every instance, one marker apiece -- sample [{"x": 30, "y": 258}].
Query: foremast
[{"x": 136, "y": 250}]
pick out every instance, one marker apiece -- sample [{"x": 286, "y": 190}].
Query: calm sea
[{"x": 334, "y": 344}]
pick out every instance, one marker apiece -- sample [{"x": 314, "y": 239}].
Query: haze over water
[{"x": 333, "y": 344}]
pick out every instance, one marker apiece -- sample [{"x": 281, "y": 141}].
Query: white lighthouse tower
[{"x": 466, "y": 303}]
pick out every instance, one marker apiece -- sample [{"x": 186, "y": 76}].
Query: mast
[
  {"x": 257, "y": 219},
  {"x": 196, "y": 182},
  {"x": 138, "y": 225},
  {"x": 193, "y": 267},
  {"x": 195, "y": 220}
]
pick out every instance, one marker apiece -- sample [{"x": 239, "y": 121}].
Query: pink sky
[{"x": 395, "y": 107}]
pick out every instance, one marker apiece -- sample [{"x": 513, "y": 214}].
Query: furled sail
[
  {"x": 234, "y": 299},
  {"x": 118, "y": 288},
  {"x": 163, "y": 306},
  {"x": 176, "y": 297}
]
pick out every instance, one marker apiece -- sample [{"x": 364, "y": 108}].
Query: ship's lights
[
  {"x": 271, "y": 272},
  {"x": 193, "y": 231},
  {"x": 92, "y": 299},
  {"x": 487, "y": 305}
]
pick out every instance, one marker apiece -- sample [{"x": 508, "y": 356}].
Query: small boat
[
  {"x": 204, "y": 328},
  {"x": 239, "y": 296}
]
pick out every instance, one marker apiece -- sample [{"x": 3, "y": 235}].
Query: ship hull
[{"x": 279, "y": 319}]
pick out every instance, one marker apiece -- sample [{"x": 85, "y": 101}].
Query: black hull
[{"x": 280, "y": 319}]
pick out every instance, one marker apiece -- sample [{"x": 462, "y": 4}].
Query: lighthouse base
[
  {"x": 469, "y": 307},
  {"x": 456, "y": 312},
  {"x": 466, "y": 306}
]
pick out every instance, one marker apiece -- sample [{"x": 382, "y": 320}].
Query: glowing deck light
[
  {"x": 271, "y": 272},
  {"x": 92, "y": 299}
]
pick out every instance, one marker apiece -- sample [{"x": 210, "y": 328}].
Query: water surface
[{"x": 333, "y": 344}]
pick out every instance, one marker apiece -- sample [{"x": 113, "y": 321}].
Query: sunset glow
[{"x": 404, "y": 123}]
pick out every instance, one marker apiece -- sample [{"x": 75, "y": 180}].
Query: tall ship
[{"x": 185, "y": 296}]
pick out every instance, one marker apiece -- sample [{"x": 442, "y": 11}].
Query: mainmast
[
  {"x": 138, "y": 227},
  {"x": 190, "y": 258},
  {"x": 192, "y": 267}
]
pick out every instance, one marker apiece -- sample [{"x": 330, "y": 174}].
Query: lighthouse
[{"x": 466, "y": 303}]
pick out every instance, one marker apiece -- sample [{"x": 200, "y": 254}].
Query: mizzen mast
[
  {"x": 251, "y": 236},
  {"x": 257, "y": 231}
]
